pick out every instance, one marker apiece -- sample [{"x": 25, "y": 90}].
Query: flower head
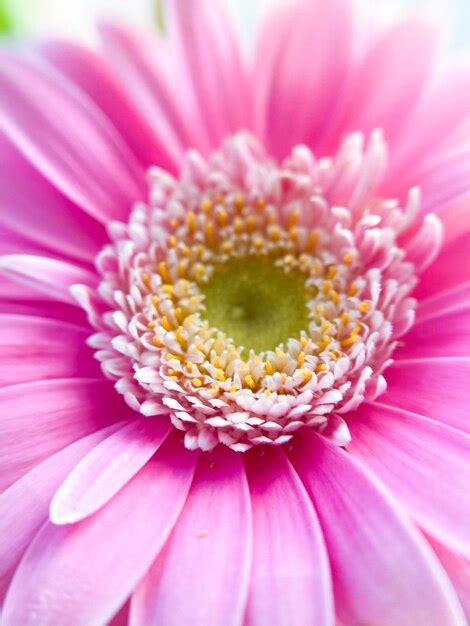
[{"x": 272, "y": 267}]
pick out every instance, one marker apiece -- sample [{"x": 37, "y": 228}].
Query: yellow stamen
[
  {"x": 239, "y": 202},
  {"x": 221, "y": 217},
  {"x": 165, "y": 323},
  {"x": 331, "y": 271},
  {"x": 238, "y": 225},
  {"x": 268, "y": 368},
  {"x": 275, "y": 234},
  {"x": 206, "y": 206},
  {"x": 146, "y": 280},
  {"x": 352, "y": 290},
  {"x": 293, "y": 219},
  {"x": 250, "y": 381},
  {"x": 251, "y": 223},
  {"x": 210, "y": 233},
  {"x": 191, "y": 221},
  {"x": 349, "y": 341},
  {"x": 157, "y": 342},
  {"x": 312, "y": 241}
]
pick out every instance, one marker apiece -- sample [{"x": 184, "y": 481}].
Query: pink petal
[
  {"x": 383, "y": 571},
  {"x": 90, "y": 568},
  {"x": 38, "y": 307},
  {"x": 39, "y": 418},
  {"x": 444, "y": 180},
  {"x": 441, "y": 111},
  {"x": 24, "y": 506},
  {"x": 121, "y": 618},
  {"x": 388, "y": 80},
  {"x": 424, "y": 463},
  {"x": 451, "y": 267},
  {"x": 458, "y": 570},
  {"x": 147, "y": 68},
  {"x": 42, "y": 341},
  {"x": 78, "y": 151},
  {"x": 433, "y": 387},
  {"x": 290, "y": 580},
  {"x": 302, "y": 61},
  {"x": 107, "y": 468},
  {"x": 89, "y": 71},
  {"x": 445, "y": 302},
  {"x": 49, "y": 276},
  {"x": 201, "y": 578},
  {"x": 440, "y": 336},
  {"x": 32, "y": 208},
  {"x": 455, "y": 217},
  {"x": 210, "y": 61}
]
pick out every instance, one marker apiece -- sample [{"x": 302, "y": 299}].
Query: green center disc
[{"x": 256, "y": 303}]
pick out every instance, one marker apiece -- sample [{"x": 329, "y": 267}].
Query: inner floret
[{"x": 247, "y": 299}]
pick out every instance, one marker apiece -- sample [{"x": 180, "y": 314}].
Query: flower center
[
  {"x": 248, "y": 299},
  {"x": 258, "y": 304}
]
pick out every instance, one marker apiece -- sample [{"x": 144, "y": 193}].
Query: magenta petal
[
  {"x": 146, "y": 66},
  {"x": 385, "y": 85},
  {"x": 453, "y": 300},
  {"x": 440, "y": 336},
  {"x": 32, "y": 208},
  {"x": 201, "y": 578},
  {"x": 424, "y": 463},
  {"x": 290, "y": 580},
  {"x": 39, "y": 418},
  {"x": 107, "y": 468},
  {"x": 301, "y": 65},
  {"x": 78, "y": 150},
  {"x": 383, "y": 571},
  {"x": 433, "y": 387},
  {"x": 458, "y": 570},
  {"x": 42, "y": 341},
  {"x": 90, "y": 568},
  {"x": 49, "y": 276},
  {"x": 24, "y": 506},
  {"x": 442, "y": 110},
  {"x": 211, "y": 63},
  {"x": 89, "y": 71}
]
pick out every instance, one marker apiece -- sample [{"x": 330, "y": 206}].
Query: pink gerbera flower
[{"x": 273, "y": 259}]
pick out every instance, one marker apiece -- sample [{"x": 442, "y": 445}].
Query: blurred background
[{"x": 75, "y": 18}]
